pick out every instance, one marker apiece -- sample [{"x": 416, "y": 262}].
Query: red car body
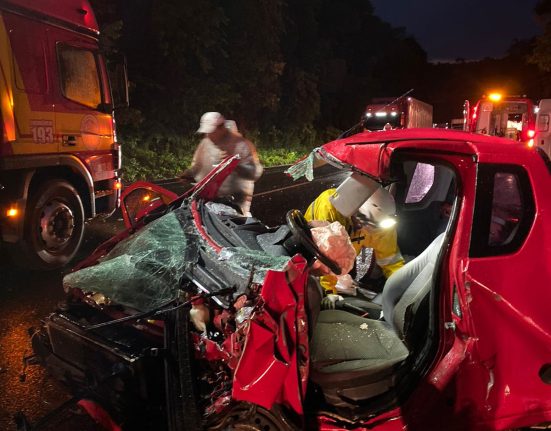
[
  {"x": 488, "y": 361},
  {"x": 491, "y": 364}
]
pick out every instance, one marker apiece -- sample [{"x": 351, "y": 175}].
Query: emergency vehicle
[
  {"x": 59, "y": 157},
  {"x": 543, "y": 134},
  {"x": 400, "y": 113},
  {"x": 511, "y": 117}
]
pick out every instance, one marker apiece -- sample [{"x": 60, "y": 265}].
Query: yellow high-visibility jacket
[{"x": 383, "y": 241}]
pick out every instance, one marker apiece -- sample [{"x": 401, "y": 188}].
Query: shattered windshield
[{"x": 145, "y": 270}]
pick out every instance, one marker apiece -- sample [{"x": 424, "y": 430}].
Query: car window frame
[{"x": 480, "y": 232}]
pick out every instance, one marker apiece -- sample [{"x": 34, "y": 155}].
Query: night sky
[{"x": 468, "y": 29}]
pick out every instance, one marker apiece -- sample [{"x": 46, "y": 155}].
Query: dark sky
[{"x": 469, "y": 29}]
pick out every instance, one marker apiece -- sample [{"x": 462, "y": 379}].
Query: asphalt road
[{"x": 27, "y": 296}]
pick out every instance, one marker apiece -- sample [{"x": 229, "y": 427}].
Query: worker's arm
[
  {"x": 322, "y": 209},
  {"x": 196, "y": 163},
  {"x": 249, "y": 167}
]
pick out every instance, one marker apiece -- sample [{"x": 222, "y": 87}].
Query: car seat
[{"x": 354, "y": 358}]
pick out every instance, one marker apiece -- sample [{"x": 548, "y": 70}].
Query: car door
[{"x": 506, "y": 381}]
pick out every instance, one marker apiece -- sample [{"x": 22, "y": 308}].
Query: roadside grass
[{"x": 151, "y": 160}]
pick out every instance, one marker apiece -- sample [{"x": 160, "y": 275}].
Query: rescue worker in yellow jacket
[{"x": 372, "y": 226}]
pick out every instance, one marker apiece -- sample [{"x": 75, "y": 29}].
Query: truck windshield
[{"x": 378, "y": 120}]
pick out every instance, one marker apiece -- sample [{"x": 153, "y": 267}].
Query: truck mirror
[
  {"x": 119, "y": 82},
  {"x": 105, "y": 108}
]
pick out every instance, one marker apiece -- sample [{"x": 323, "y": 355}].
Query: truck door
[
  {"x": 83, "y": 116},
  {"x": 483, "y": 122},
  {"x": 543, "y": 133},
  {"x": 31, "y": 103}
]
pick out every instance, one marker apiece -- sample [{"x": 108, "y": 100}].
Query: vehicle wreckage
[{"x": 464, "y": 341}]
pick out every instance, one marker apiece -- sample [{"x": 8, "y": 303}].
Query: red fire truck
[
  {"x": 59, "y": 158},
  {"x": 511, "y": 117}
]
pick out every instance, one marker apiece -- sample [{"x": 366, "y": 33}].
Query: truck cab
[
  {"x": 399, "y": 113},
  {"x": 59, "y": 158}
]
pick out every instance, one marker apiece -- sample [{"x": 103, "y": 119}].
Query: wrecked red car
[{"x": 464, "y": 341}]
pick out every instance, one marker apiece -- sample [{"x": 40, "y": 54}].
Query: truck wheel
[{"x": 54, "y": 226}]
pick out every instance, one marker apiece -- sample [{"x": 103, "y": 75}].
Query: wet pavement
[
  {"x": 25, "y": 298},
  {"x": 28, "y": 296}
]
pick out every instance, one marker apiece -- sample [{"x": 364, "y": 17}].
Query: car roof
[
  {"x": 364, "y": 149},
  {"x": 474, "y": 143}
]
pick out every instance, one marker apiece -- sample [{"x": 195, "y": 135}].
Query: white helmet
[
  {"x": 379, "y": 210},
  {"x": 352, "y": 193}
]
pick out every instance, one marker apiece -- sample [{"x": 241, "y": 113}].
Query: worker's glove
[{"x": 328, "y": 303}]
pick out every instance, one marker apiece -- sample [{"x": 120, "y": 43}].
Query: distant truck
[
  {"x": 510, "y": 117},
  {"x": 401, "y": 113},
  {"x": 543, "y": 132},
  {"x": 59, "y": 157},
  {"x": 457, "y": 124}
]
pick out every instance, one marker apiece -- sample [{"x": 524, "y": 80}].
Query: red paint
[
  {"x": 74, "y": 12},
  {"x": 99, "y": 414},
  {"x": 166, "y": 196},
  {"x": 485, "y": 372}
]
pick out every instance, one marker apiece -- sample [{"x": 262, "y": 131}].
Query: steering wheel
[{"x": 301, "y": 232}]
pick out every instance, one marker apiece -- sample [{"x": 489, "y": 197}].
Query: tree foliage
[{"x": 264, "y": 63}]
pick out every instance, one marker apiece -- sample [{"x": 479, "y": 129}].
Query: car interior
[{"x": 355, "y": 358}]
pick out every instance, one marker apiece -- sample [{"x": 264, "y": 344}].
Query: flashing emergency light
[
  {"x": 118, "y": 185},
  {"x": 531, "y": 133},
  {"x": 530, "y": 143},
  {"x": 146, "y": 198},
  {"x": 12, "y": 212},
  {"x": 495, "y": 97}
]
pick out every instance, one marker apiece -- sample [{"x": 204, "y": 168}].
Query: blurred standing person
[{"x": 221, "y": 139}]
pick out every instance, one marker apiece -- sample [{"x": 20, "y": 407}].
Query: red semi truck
[
  {"x": 401, "y": 113},
  {"x": 59, "y": 158}
]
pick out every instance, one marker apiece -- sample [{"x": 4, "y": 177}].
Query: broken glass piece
[
  {"x": 303, "y": 168},
  {"x": 243, "y": 261}
]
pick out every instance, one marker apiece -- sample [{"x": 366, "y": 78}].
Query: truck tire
[{"x": 54, "y": 226}]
